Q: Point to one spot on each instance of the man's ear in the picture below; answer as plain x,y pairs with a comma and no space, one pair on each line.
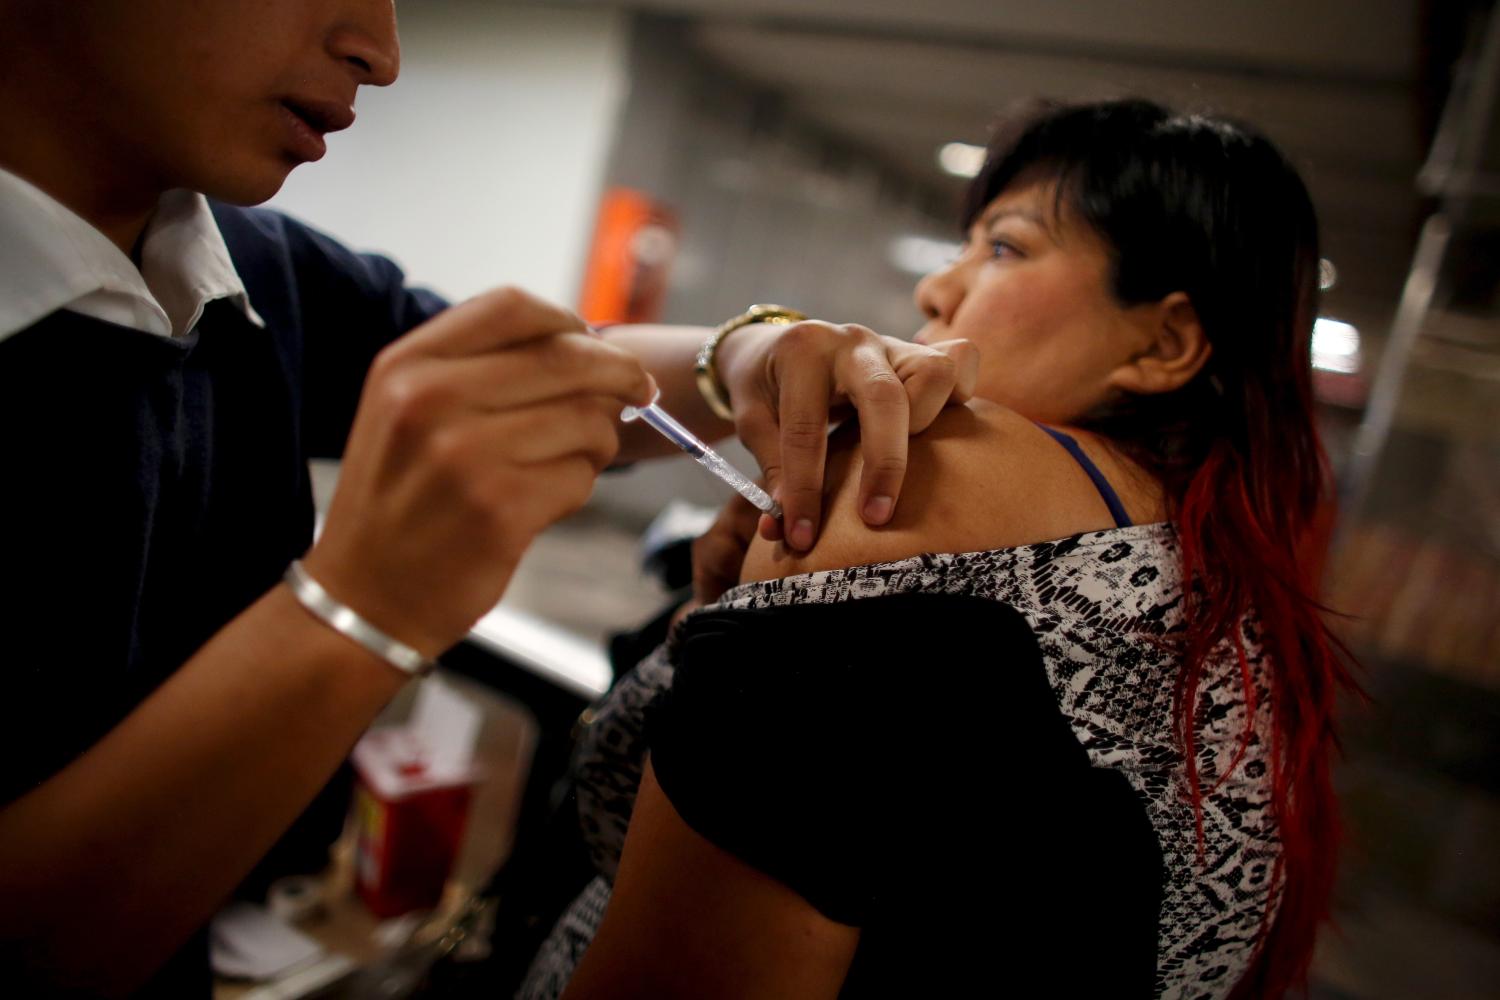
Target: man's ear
1173,347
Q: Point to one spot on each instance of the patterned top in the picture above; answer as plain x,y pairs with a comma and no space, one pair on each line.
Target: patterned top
1100,604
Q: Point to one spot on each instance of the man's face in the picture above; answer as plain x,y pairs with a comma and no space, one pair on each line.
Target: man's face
226,96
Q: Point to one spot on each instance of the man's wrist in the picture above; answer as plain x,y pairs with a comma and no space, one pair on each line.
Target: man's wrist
351,625
345,665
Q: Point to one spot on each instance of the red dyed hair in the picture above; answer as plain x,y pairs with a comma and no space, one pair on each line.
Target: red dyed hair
1250,562
1197,204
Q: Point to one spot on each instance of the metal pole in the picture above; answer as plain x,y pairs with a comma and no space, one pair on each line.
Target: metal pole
1385,393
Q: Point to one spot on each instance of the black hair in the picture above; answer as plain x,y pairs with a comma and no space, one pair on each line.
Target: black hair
1192,203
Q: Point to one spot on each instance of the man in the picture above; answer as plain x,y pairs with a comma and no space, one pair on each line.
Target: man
167,365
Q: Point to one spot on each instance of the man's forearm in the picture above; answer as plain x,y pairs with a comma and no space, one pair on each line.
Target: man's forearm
112,863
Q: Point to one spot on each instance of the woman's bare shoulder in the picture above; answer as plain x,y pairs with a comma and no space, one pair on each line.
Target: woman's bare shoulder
981,477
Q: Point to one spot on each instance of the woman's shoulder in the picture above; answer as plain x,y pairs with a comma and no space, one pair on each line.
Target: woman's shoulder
981,477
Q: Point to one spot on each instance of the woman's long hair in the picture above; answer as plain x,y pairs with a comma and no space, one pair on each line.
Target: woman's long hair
1204,206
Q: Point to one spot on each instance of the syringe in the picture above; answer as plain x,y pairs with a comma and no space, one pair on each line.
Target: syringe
706,456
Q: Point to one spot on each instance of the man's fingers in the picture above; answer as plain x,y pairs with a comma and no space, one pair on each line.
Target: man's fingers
739,518
424,389
503,461
501,317
575,425
719,553
562,365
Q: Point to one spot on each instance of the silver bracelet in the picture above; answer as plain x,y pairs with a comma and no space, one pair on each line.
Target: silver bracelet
347,622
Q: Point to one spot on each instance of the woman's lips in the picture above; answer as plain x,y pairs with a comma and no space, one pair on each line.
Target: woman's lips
308,120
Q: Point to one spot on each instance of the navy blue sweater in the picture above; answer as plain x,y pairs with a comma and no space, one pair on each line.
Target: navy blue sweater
153,489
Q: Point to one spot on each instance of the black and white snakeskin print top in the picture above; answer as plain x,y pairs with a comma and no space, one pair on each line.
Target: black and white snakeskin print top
1099,604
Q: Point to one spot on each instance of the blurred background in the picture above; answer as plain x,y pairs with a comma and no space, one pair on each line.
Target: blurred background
677,160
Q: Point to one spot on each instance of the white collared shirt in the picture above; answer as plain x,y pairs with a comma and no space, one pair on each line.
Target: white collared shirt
52,259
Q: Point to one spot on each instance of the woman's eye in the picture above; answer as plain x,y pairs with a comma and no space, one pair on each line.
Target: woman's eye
1001,248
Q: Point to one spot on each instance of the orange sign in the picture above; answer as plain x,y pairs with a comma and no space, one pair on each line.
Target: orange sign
635,242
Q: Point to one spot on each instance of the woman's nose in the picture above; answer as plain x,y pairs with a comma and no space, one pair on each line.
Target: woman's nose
939,293
365,39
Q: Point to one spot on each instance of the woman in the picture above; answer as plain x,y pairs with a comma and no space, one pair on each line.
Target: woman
1113,779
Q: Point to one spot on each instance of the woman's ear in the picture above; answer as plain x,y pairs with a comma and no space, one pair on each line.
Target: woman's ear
1172,347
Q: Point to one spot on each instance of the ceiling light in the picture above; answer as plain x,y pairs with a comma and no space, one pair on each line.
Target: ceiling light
1328,275
922,254
1335,346
961,159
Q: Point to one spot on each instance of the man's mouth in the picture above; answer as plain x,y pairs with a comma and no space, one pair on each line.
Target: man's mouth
321,116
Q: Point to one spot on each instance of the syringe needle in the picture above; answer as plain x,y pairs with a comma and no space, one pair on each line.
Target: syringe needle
706,456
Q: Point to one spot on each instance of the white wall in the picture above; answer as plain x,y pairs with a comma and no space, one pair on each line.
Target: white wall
482,165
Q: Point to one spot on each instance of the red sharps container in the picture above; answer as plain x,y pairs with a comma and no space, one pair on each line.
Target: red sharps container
411,804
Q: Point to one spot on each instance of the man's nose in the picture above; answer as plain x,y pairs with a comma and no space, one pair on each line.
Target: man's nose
365,39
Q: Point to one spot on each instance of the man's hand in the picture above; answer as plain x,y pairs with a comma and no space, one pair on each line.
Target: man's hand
719,552
786,381
475,431
718,555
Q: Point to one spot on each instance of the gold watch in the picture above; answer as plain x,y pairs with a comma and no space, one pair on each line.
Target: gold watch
707,368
